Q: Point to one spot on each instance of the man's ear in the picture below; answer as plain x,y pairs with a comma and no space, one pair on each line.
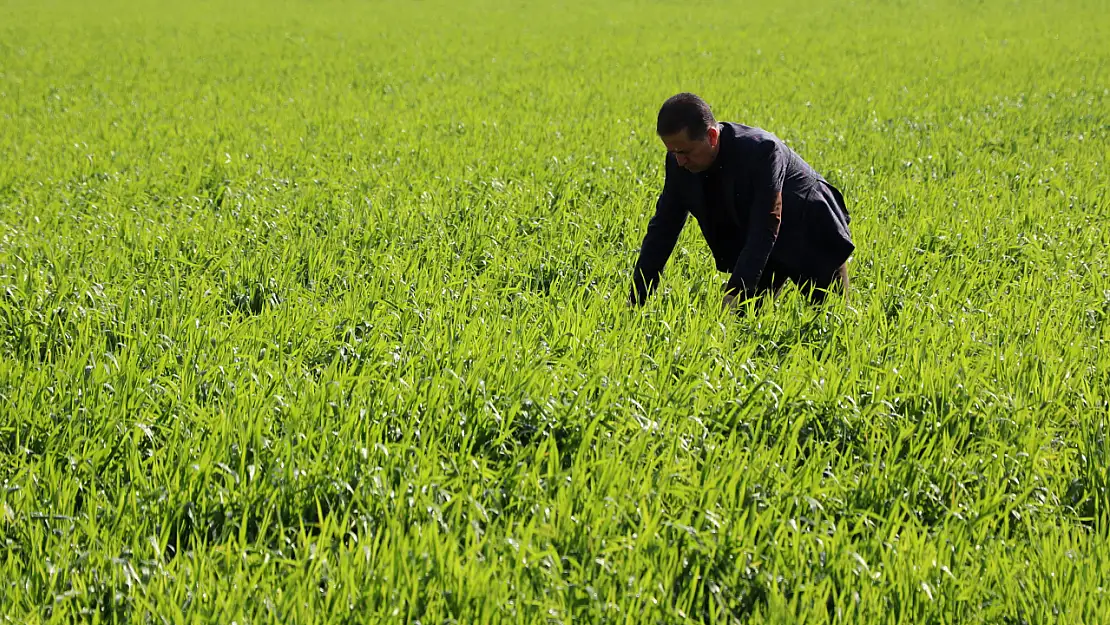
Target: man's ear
714,135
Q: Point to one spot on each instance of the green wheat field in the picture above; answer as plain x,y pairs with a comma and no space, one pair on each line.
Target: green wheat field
315,311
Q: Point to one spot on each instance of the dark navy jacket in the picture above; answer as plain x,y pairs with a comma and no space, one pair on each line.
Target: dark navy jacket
734,205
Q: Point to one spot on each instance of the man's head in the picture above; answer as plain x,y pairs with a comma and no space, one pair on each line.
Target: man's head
687,128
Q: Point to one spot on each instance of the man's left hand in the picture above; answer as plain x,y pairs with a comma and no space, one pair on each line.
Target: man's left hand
730,302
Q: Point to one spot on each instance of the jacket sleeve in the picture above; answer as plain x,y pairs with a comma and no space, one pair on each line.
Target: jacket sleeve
764,218
659,241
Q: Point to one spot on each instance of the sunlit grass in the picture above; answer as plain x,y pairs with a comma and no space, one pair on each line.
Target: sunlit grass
316,312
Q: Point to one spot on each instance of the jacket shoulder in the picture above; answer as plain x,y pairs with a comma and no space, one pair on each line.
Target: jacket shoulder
750,137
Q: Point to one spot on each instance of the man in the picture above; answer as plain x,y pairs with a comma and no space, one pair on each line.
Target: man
765,213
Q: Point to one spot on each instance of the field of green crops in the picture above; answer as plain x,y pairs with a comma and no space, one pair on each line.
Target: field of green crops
316,312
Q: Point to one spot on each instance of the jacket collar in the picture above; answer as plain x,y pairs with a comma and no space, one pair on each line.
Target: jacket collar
724,150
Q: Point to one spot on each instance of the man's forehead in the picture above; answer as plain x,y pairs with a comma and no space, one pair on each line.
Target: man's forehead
678,142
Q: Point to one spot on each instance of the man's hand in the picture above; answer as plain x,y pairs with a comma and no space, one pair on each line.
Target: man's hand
730,302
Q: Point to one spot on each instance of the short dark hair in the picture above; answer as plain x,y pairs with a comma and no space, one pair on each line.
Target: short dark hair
685,111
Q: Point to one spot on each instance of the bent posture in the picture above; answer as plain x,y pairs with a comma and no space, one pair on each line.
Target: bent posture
766,214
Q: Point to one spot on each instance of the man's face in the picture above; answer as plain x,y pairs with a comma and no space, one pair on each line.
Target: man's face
693,155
